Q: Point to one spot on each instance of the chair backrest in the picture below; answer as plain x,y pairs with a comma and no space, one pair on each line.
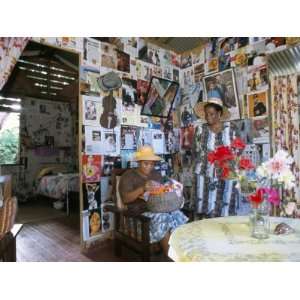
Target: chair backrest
116,175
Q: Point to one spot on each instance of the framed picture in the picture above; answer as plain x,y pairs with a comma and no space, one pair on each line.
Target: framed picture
160,97
257,104
222,85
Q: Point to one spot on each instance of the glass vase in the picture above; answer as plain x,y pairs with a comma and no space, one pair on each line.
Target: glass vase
259,220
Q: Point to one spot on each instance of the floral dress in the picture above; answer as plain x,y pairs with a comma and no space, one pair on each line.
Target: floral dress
215,197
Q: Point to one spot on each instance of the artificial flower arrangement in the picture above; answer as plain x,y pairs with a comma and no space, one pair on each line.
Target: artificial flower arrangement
273,176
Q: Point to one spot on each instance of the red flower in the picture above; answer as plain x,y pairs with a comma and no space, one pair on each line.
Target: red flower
224,153
256,198
211,157
225,173
245,164
237,143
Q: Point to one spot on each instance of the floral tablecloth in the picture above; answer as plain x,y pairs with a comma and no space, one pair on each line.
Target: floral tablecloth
229,239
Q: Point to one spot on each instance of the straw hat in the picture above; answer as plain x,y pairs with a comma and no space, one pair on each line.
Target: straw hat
110,81
146,153
200,112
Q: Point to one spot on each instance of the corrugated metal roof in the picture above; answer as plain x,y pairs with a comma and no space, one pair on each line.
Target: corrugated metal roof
285,62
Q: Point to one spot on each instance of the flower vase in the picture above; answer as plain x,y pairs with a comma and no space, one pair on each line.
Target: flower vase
259,220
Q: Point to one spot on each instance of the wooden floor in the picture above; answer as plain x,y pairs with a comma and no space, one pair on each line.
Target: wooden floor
58,240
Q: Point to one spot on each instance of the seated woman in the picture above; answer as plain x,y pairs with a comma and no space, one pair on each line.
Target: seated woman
134,183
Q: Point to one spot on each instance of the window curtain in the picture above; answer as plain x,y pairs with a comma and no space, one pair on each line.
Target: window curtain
10,51
285,122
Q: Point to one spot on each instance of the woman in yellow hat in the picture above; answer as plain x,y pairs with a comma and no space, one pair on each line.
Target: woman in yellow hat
134,183
215,197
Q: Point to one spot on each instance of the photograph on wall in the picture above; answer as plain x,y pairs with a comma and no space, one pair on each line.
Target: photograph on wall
186,137
158,141
172,141
91,168
257,78
275,43
256,54
186,60
109,163
91,110
107,219
186,115
106,189
239,58
110,142
88,80
108,56
129,93
91,195
198,72
157,71
257,104
95,222
93,140
175,59
212,65
261,132
245,129
175,74
128,137
127,159
187,76
123,61
222,86
91,51
144,137
160,97
142,89
154,55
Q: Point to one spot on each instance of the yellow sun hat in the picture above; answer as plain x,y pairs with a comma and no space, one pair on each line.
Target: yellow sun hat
146,153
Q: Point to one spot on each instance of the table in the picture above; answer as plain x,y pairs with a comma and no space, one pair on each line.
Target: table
229,239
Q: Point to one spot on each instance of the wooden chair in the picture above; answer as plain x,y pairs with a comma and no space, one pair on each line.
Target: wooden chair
132,231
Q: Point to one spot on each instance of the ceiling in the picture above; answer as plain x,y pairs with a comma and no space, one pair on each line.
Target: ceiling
46,73
178,44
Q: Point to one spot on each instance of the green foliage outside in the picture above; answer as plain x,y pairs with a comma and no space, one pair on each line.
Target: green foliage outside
9,146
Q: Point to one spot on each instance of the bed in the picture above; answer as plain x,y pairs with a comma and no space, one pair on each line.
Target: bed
57,186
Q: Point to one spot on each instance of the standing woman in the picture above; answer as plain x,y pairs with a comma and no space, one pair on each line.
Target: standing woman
215,197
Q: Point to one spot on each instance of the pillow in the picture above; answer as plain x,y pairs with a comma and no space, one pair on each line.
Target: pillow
119,202
7,215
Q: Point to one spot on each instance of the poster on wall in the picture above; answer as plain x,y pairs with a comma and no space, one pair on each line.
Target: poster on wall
222,86
95,222
91,110
257,104
91,51
257,78
261,132
108,56
91,195
107,219
89,76
106,188
128,138
142,89
158,141
91,168
93,140
186,137
110,142
85,225
123,61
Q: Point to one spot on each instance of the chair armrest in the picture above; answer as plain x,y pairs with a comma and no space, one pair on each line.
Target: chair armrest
116,210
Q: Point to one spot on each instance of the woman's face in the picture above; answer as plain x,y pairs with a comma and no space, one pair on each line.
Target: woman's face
146,167
212,116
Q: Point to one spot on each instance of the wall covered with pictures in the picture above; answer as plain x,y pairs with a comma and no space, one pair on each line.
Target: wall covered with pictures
232,69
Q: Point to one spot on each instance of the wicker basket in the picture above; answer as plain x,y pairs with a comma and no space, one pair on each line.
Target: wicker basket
164,203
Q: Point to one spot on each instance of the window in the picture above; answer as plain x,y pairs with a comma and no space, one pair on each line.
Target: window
10,110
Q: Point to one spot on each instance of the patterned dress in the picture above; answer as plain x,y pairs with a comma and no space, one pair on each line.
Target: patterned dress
215,197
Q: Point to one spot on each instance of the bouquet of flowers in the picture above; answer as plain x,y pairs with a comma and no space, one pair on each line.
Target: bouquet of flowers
231,164
273,176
